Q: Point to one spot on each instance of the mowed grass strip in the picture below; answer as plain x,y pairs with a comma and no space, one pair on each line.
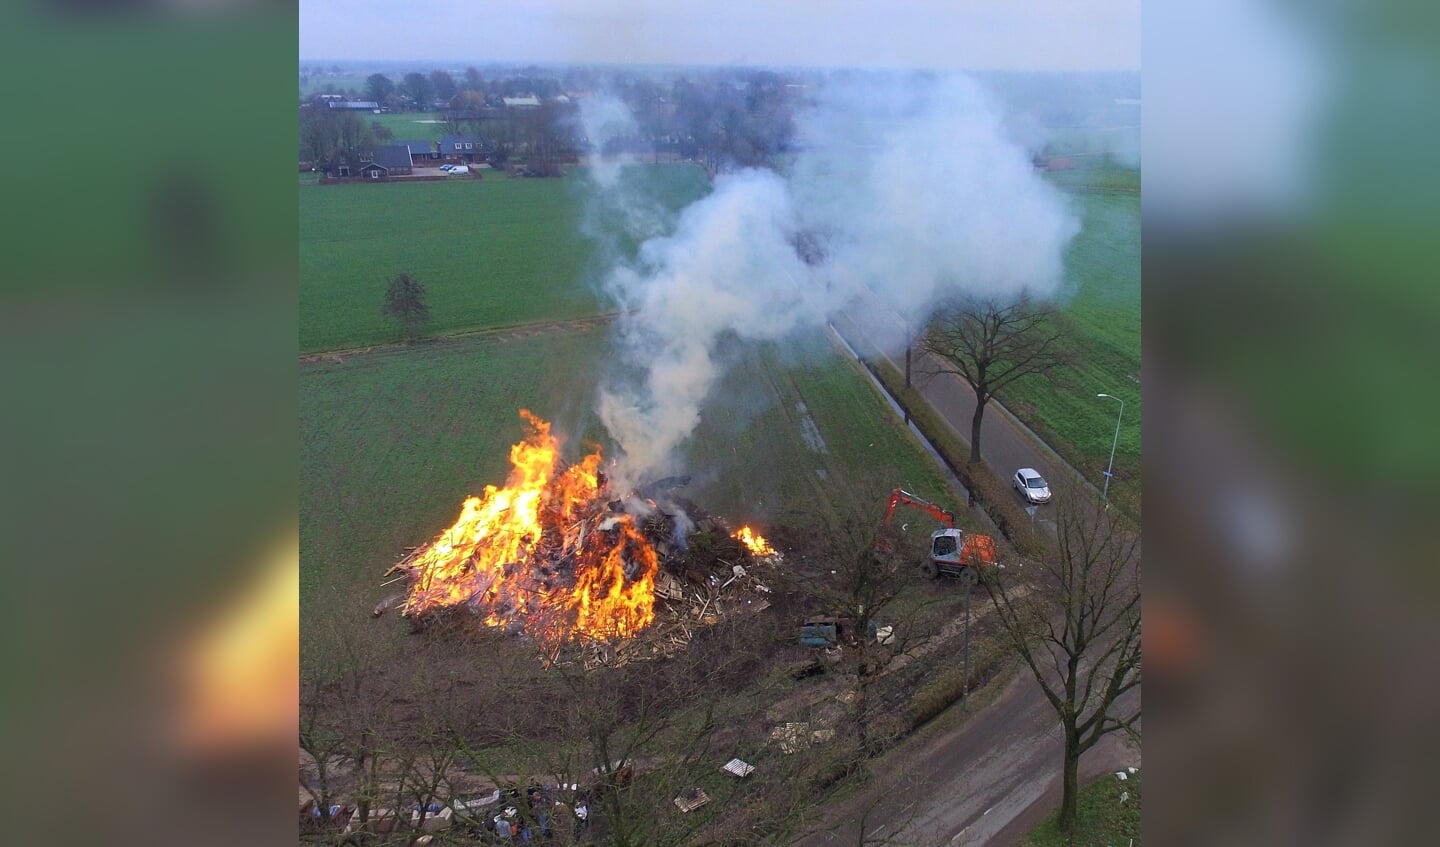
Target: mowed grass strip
489,252
393,441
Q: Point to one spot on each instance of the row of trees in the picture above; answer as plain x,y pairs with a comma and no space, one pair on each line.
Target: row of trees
723,120
423,90
328,134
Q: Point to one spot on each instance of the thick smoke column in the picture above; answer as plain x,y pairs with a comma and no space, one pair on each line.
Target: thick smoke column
730,269
913,191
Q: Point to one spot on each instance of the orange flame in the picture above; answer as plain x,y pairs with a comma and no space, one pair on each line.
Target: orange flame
754,542
544,552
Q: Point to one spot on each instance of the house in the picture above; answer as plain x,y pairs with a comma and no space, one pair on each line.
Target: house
373,170
395,159
420,149
382,163
462,147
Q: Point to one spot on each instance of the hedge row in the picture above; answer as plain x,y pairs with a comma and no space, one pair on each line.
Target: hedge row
946,689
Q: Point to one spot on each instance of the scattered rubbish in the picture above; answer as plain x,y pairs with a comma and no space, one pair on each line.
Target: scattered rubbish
381,820
1121,775
736,767
691,799
792,737
885,635
1124,797
832,630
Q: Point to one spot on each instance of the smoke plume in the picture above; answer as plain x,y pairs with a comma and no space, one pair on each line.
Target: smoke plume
911,191
729,269
605,119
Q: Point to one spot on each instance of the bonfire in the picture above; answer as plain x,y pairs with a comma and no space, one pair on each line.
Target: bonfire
553,553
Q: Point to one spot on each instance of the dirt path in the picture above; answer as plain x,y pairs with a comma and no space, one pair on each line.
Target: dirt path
500,333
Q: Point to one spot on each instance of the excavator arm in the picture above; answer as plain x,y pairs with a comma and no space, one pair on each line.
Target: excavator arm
899,496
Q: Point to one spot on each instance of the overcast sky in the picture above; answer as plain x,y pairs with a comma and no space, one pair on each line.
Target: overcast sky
971,34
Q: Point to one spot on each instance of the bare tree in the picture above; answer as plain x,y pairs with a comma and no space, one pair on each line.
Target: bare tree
990,344
1076,625
405,302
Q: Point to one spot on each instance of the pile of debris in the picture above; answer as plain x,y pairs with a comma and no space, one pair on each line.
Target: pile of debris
706,575
605,582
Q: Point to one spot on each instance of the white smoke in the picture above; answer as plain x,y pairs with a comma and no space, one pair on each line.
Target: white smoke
618,208
922,196
915,194
729,269
605,118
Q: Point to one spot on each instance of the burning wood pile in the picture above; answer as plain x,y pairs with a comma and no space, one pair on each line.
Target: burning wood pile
556,556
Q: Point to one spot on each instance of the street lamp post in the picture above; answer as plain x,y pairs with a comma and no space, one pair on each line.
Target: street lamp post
1105,495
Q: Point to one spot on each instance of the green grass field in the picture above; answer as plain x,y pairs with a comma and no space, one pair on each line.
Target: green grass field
1101,820
489,252
410,125
392,441
1103,265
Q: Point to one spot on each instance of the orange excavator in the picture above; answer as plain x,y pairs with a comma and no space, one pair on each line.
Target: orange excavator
952,550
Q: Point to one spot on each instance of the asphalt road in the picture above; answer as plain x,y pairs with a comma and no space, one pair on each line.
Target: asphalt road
988,781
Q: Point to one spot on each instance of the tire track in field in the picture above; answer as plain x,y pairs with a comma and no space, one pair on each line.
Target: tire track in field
500,333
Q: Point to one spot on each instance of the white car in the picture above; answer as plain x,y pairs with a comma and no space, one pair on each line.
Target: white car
1031,485
459,169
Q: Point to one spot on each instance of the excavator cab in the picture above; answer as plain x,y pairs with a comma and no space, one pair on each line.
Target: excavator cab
953,550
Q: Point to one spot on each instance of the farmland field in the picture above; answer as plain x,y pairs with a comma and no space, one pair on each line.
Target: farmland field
489,252
410,125
392,441
1103,266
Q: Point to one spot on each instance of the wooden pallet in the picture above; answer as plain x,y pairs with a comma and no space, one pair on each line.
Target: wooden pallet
692,803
